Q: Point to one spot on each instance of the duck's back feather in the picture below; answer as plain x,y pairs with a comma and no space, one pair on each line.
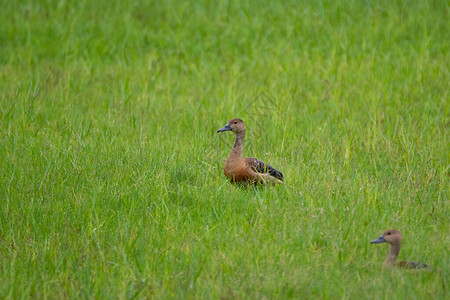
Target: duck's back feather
411,265
260,167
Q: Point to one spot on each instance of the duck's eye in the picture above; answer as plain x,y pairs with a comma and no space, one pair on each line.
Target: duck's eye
389,233
235,122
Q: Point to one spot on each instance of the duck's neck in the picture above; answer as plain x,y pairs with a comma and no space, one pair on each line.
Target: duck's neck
237,147
393,254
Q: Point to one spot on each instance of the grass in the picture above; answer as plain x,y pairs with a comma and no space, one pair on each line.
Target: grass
111,168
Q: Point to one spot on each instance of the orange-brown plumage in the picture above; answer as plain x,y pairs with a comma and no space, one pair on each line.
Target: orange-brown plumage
246,170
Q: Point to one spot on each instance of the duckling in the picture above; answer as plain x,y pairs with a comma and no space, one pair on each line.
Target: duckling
394,238
246,170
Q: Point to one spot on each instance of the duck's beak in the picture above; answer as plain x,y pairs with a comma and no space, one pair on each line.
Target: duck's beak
226,128
378,240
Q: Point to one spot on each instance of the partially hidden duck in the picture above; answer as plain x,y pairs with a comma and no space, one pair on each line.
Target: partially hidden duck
394,238
245,170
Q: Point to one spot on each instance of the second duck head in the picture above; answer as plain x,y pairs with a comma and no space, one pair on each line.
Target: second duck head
235,125
391,236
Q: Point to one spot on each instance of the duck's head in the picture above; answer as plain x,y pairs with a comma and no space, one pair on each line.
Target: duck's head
390,236
235,125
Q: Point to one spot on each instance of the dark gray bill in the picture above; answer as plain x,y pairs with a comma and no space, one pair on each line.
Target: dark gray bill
226,128
378,240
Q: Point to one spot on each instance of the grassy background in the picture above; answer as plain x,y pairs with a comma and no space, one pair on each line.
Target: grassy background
111,168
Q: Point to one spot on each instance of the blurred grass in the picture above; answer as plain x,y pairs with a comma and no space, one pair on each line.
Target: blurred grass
111,170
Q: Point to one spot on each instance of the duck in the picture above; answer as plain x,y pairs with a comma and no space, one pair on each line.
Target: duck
246,170
394,238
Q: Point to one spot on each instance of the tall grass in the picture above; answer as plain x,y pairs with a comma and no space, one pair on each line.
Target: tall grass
111,170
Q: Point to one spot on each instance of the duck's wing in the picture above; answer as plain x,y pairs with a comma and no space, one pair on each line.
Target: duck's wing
260,167
412,265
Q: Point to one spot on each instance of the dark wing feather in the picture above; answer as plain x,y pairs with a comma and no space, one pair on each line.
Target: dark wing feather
412,265
259,166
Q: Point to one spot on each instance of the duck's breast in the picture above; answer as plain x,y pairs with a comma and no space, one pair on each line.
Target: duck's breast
237,171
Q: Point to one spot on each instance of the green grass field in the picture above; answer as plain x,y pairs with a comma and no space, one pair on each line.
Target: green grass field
111,167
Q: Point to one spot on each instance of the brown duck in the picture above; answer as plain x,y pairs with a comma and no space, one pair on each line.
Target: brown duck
246,170
394,238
